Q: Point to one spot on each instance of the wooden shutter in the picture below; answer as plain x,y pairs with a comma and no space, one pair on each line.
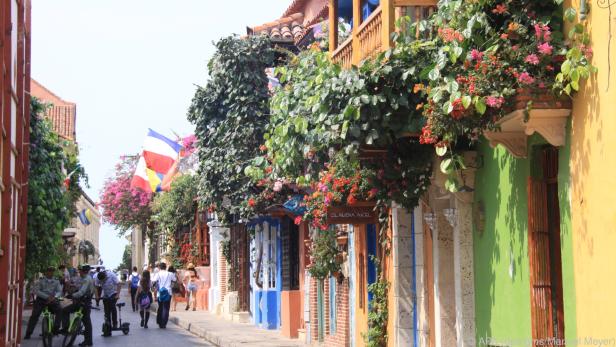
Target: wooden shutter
539,257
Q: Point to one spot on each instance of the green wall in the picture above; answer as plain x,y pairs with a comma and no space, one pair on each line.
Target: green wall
502,287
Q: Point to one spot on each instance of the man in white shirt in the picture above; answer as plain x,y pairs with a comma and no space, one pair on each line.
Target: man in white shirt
163,280
110,292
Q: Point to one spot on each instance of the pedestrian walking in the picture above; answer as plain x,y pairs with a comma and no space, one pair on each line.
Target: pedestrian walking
133,283
47,289
110,292
82,299
190,281
143,298
97,287
177,289
163,280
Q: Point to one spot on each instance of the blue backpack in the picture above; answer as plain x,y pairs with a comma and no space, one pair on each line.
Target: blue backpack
134,282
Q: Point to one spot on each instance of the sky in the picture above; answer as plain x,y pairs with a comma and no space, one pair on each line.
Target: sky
130,66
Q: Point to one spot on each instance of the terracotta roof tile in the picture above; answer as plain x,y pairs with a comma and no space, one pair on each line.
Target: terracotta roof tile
288,28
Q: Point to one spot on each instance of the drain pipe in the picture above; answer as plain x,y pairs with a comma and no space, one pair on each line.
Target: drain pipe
414,282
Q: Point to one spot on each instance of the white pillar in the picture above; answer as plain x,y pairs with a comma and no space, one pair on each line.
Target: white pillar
464,273
217,232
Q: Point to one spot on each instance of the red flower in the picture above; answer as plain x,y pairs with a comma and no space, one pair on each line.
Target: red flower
500,9
351,200
298,220
251,202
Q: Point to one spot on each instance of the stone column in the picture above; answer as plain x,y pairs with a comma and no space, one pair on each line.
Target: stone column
402,247
463,263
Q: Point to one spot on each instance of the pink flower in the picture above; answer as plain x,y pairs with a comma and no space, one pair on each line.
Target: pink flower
298,220
515,47
322,187
277,186
538,31
476,55
545,48
541,85
532,59
495,101
526,78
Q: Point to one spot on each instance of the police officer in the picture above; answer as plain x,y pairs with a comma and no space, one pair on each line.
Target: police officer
47,289
82,298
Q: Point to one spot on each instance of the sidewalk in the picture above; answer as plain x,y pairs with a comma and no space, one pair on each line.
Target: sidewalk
224,333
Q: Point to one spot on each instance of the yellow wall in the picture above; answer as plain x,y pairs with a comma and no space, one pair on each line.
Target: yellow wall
593,183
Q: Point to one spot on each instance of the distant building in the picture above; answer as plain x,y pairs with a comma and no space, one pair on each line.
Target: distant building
63,114
82,235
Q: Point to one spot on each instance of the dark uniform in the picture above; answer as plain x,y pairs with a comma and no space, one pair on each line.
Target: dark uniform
46,290
82,299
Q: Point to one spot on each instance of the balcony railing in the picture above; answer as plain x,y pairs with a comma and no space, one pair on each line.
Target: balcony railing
370,35
343,55
373,35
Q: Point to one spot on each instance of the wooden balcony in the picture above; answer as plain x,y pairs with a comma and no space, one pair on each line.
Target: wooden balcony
373,35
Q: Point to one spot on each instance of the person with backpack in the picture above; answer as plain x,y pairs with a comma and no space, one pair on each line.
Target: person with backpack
164,282
133,282
143,298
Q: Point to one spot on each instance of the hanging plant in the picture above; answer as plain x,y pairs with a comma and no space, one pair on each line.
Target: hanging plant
323,253
488,51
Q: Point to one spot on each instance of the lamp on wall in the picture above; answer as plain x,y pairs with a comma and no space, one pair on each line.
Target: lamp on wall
430,219
450,215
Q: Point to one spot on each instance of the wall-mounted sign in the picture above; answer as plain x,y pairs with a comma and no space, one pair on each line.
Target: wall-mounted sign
351,215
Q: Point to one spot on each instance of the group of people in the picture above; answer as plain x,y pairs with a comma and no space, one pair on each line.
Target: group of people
163,286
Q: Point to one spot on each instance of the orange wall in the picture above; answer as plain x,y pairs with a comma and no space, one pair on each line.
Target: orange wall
361,312
593,193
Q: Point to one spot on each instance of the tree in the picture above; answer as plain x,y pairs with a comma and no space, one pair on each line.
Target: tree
230,114
49,206
126,207
127,259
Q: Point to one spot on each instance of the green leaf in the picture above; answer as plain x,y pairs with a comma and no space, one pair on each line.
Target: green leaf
345,128
451,184
441,150
434,74
480,106
466,101
565,67
447,166
570,14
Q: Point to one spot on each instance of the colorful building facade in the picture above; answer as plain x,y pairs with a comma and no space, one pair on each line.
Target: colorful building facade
15,118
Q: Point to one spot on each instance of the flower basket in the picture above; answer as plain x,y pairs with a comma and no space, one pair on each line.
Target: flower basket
531,111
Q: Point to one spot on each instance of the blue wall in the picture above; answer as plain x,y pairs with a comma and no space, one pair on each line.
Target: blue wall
266,303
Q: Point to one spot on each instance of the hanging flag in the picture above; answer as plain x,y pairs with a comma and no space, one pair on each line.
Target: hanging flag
85,216
140,178
160,152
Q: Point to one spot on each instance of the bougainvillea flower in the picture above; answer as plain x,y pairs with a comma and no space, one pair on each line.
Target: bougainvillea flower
495,101
532,59
545,48
526,78
476,55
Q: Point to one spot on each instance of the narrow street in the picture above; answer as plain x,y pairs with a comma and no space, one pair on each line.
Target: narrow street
152,337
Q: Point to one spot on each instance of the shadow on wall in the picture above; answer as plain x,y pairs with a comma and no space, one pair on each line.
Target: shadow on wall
500,250
586,116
